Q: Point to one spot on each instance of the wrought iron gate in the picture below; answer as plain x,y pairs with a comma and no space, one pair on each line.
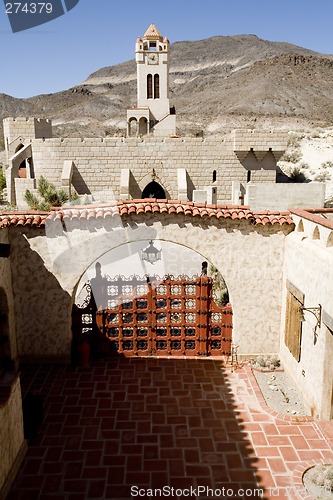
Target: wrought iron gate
169,317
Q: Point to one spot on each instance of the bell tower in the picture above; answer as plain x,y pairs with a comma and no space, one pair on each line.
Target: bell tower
153,114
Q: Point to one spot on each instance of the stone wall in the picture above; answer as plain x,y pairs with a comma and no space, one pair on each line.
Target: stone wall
25,128
284,196
47,270
98,162
260,141
12,444
309,267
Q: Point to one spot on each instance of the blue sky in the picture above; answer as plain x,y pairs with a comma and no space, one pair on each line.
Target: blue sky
100,33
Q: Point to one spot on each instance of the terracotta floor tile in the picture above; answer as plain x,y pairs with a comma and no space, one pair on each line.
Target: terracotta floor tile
277,465
279,440
259,439
320,444
305,455
289,430
299,442
288,454
267,451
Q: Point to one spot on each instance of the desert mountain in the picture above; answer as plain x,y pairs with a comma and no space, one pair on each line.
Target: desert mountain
217,83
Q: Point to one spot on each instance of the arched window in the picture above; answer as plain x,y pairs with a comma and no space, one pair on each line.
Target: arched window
133,127
149,86
143,126
154,190
214,175
156,86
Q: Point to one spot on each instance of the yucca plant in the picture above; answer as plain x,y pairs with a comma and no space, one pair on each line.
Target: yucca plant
49,196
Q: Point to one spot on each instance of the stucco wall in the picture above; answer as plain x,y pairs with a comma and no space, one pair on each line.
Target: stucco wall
11,434
250,259
41,307
6,285
309,266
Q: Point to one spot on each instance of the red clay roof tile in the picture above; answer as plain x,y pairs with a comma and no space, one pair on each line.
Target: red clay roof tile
128,207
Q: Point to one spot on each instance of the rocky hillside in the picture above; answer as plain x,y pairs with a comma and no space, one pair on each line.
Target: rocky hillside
216,84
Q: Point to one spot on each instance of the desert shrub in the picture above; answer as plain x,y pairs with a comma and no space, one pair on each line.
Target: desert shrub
2,180
304,165
296,175
267,361
295,139
220,291
2,183
322,176
49,196
329,202
292,156
327,164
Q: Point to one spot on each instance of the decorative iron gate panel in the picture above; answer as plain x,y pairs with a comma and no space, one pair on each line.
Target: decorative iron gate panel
169,317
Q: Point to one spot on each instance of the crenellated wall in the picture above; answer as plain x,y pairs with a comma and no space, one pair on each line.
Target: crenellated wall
98,162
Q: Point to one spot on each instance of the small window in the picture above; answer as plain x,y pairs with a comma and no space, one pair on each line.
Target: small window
214,175
156,86
149,86
249,176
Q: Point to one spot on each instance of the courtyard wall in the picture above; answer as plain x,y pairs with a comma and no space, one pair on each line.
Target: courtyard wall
308,265
47,269
12,443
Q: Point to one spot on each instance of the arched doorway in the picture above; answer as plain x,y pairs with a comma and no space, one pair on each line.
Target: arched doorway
149,315
154,190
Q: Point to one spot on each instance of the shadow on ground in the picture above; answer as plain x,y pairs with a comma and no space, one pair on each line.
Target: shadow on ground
140,422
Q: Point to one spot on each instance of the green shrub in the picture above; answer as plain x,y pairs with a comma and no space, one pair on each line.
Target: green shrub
220,291
2,180
49,196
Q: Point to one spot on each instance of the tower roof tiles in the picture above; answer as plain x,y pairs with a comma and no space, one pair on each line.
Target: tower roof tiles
152,33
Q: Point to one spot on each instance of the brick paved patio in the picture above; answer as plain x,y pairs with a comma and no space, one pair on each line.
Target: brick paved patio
154,422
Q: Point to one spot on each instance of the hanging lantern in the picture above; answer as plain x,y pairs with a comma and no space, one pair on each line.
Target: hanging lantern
151,254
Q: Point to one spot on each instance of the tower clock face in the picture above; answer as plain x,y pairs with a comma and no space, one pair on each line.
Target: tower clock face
153,59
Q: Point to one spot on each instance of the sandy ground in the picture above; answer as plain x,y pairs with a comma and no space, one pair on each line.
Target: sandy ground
280,393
